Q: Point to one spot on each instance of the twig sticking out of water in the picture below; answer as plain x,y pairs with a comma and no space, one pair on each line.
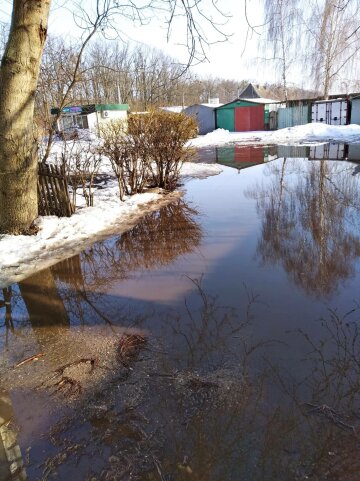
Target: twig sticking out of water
30,359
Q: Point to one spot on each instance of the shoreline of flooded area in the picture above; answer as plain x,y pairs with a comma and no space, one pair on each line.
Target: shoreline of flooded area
216,339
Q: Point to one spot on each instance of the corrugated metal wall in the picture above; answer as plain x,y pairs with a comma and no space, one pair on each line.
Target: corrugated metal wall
293,151
204,116
355,111
291,116
225,119
249,118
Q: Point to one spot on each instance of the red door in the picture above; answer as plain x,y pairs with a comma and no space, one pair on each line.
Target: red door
249,154
249,118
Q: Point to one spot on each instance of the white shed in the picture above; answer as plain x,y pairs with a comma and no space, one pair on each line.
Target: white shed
331,112
89,116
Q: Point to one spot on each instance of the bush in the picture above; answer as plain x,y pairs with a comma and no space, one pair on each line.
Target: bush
127,155
147,150
163,136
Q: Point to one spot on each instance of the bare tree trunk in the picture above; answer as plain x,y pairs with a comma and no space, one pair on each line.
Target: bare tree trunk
19,73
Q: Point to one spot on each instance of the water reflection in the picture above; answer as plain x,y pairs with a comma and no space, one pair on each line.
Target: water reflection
310,222
43,301
221,420
215,391
159,239
74,291
241,156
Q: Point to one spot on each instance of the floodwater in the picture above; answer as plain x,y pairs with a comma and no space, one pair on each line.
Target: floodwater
216,340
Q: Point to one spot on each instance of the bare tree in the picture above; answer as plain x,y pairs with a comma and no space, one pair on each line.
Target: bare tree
281,33
333,41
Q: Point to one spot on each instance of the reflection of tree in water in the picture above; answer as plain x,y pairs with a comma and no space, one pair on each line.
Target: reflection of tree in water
223,421
329,399
207,334
43,301
310,223
203,412
159,239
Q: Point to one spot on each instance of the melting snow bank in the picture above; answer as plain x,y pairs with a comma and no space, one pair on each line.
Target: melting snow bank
318,132
200,171
315,132
59,238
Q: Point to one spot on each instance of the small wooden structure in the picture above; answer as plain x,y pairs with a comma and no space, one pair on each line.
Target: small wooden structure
243,115
53,194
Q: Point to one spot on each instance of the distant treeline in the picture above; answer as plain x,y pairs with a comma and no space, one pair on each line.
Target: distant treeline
113,72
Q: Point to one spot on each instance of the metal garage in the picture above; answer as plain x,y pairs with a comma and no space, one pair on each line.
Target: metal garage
240,116
331,112
355,111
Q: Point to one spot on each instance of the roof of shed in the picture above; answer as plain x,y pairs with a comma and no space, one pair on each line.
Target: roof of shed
175,108
249,92
261,100
256,92
210,106
258,101
89,108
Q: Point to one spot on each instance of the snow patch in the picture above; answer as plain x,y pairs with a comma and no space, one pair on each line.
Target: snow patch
59,238
314,132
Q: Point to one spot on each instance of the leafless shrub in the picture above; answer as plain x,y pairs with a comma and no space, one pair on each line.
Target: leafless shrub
163,135
128,157
152,150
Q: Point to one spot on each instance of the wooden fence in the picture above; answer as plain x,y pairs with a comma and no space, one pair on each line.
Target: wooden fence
53,194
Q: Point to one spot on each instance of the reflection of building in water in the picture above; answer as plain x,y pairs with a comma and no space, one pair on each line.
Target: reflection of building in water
241,157
11,463
293,151
328,152
354,152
